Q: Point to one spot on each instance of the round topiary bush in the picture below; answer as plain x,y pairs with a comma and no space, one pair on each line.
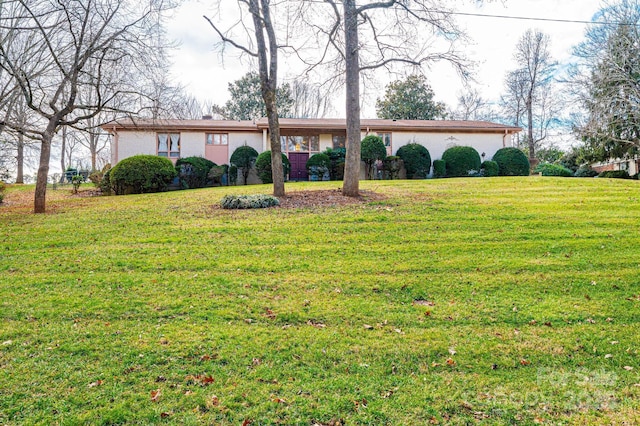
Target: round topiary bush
193,171
460,160
318,166
244,157
439,168
512,162
548,169
372,149
263,166
141,173
417,160
489,168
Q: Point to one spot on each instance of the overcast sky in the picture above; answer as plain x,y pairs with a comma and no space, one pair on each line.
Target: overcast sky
200,69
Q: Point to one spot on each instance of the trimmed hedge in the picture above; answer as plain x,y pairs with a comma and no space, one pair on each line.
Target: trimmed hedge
439,168
417,160
263,166
553,170
615,174
490,168
459,160
193,171
258,201
585,171
141,174
392,165
512,162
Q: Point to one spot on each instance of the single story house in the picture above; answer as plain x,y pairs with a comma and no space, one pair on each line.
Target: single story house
217,139
631,165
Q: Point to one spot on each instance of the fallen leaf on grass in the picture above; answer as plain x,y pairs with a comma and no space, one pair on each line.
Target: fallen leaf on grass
278,400
214,400
247,422
628,368
368,327
525,362
164,341
7,342
165,415
96,383
607,356
590,321
451,362
155,395
423,302
452,351
316,324
208,357
201,379
269,313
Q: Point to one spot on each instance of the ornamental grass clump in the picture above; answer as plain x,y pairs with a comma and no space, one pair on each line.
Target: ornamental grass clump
258,201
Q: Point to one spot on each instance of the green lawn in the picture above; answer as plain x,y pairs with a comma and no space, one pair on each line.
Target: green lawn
453,301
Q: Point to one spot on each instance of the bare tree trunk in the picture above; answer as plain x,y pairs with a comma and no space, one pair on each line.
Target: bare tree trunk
532,148
20,159
93,145
43,169
351,182
63,147
276,148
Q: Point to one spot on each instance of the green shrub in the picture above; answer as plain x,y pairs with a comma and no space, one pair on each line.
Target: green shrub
216,173
615,174
259,201
263,167
244,157
318,166
416,159
337,157
233,174
142,173
193,171
96,176
460,160
489,168
512,162
392,166
585,171
553,170
76,181
3,187
372,149
439,168
105,183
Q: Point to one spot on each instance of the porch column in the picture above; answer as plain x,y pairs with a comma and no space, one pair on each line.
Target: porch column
265,141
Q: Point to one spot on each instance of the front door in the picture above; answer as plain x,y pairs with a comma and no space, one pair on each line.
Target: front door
298,162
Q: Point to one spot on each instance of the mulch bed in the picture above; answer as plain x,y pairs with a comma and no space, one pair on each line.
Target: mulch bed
325,198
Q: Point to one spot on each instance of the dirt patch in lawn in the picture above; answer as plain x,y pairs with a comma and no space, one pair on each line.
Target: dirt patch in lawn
325,198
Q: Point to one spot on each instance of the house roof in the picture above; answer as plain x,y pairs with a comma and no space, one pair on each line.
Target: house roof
321,124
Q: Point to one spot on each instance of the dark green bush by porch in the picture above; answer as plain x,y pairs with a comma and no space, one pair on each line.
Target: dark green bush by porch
392,165
416,159
548,169
372,149
193,171
141,174
615,174
489,168
460,160
512,162
337,158
263,166
439,168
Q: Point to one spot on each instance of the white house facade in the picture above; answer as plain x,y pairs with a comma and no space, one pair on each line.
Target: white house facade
300,138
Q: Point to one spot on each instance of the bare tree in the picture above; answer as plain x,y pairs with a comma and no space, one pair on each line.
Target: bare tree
266,51
359,39
472,106
309,101
81,60
528,87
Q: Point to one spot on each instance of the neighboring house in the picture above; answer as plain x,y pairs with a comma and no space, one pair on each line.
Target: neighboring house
217,139
631,165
